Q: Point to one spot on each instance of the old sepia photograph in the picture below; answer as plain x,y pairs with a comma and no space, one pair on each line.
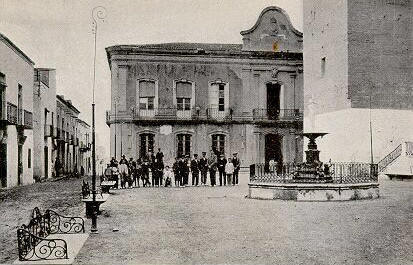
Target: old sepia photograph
206,132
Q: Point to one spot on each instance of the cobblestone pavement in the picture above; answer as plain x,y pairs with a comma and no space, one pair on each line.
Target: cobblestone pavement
205,225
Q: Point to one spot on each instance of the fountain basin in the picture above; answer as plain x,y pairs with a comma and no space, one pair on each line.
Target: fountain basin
314,191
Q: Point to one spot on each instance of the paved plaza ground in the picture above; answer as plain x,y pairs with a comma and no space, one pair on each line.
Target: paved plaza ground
205,225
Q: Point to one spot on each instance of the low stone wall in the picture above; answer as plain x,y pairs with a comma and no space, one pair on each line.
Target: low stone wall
313,192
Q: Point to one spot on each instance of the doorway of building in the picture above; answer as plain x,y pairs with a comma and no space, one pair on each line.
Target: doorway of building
19,164
3,165
273,100
46,162
273,151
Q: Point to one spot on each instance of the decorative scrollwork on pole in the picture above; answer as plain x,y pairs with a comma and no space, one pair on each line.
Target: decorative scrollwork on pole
98,13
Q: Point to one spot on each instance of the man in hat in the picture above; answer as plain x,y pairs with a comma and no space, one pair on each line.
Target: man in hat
237,164
182,170
175,169
195,170
212,166
221,169
187,162
203,167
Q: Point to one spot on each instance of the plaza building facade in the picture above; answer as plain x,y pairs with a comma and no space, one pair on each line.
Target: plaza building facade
16,115
358,68
187,98
44,122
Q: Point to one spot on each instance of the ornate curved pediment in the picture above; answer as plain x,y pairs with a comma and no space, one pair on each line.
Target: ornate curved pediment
273,31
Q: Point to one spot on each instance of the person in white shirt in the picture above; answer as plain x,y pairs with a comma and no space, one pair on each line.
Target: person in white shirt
124,171
229,170
167,174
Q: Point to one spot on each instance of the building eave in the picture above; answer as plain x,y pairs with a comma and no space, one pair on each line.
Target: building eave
16,49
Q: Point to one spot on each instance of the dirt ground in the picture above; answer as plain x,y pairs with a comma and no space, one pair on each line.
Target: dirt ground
205,225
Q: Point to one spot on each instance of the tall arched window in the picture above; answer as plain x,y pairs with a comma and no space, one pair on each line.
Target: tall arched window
184,98
147,97
218,142
146,144
183,142
218,99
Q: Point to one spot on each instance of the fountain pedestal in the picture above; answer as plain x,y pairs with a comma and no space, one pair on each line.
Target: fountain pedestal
311,170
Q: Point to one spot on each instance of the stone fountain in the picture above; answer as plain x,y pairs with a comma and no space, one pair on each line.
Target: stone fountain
313,181
312,170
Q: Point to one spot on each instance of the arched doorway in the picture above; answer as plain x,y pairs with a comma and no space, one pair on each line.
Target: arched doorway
273,149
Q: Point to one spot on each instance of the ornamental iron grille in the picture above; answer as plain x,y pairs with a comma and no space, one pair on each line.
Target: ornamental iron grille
340,172
32,240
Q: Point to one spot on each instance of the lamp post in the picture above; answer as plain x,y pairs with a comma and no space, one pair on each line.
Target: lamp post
98,13
372,173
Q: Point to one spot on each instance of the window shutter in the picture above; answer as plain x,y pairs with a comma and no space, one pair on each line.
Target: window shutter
213,96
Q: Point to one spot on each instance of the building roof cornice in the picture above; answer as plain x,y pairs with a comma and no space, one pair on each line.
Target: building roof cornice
113,51
16,49
67,103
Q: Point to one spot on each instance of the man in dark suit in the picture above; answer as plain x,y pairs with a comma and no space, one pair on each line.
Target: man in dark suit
221,169
177,175
195,170
203,167
186,167
212,166
183,168
237,164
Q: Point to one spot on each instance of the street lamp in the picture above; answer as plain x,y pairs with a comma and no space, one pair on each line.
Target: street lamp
98,13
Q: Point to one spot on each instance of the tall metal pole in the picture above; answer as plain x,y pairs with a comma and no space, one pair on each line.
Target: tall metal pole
371,140
116,123
98,13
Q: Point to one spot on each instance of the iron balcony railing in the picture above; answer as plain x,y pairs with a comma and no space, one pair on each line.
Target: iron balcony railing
276,114
11,113
340,172
196,113
28,119
19,116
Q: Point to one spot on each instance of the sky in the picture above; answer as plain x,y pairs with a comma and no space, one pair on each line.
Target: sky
58,34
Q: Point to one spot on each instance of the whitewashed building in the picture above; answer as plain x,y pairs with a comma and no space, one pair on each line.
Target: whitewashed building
44,121
16,118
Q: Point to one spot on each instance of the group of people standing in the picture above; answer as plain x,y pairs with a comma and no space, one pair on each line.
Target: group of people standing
151,171
228,170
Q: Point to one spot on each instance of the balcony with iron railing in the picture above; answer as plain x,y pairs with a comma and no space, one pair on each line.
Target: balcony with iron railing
276,114
11,113
204,114
28,120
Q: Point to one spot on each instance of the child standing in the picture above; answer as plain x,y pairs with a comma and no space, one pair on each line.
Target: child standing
167,173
